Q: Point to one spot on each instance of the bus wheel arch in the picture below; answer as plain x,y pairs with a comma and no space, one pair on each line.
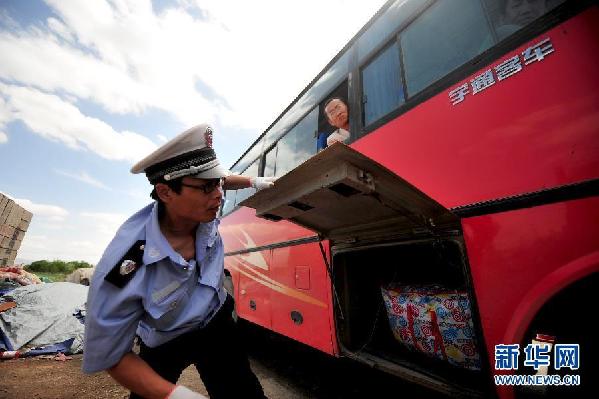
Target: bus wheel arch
567,315
550,288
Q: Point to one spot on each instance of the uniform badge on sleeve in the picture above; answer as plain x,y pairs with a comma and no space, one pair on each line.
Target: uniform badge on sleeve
125,268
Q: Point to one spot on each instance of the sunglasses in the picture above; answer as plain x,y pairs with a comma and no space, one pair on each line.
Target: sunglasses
207,188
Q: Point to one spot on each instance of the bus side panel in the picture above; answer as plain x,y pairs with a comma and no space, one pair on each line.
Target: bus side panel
536,129
253,285
271,284
242,230
301,308
514,253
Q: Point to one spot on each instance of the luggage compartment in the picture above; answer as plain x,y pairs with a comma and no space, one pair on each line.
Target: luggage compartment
382,231
363,327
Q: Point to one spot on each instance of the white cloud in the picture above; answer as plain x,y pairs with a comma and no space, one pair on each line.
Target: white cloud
52,213
7,20
52,246
236,63
43,241
3,138
53,118
240,64
5,115
57,233
162,138
84,177
60,29
105,223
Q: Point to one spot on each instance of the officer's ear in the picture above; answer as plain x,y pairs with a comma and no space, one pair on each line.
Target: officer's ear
164,192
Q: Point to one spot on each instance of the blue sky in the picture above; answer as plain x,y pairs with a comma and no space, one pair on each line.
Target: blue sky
87,88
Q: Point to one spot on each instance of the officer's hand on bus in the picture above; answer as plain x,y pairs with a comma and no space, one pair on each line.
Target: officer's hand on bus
260,183
181,392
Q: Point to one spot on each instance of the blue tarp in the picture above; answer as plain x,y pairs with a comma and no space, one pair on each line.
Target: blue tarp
47,318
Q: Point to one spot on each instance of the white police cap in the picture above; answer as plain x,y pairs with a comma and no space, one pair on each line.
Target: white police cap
188,154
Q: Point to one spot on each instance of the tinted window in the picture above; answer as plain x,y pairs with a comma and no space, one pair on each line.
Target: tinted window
509,16
382,87
306,137
269,165
229,203
251,171
247,159
285,159
443,38
329,80
297,145
390,21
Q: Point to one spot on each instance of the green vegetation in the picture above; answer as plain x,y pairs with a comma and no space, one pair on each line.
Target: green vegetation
55,266
55,270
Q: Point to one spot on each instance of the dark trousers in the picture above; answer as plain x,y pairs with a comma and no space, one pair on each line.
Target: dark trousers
217,353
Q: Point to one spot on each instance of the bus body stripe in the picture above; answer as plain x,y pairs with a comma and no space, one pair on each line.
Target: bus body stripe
253,274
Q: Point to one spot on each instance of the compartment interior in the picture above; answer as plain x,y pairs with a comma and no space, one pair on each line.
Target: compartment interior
362,321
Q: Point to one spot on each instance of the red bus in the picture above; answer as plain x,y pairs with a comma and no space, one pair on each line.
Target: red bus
472,170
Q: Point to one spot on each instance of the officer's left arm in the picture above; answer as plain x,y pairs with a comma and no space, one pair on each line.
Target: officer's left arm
113,314
237,182
136,375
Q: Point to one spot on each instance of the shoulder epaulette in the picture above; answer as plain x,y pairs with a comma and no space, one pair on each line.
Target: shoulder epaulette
125,269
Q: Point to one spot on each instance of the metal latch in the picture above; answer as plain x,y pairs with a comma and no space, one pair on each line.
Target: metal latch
364,176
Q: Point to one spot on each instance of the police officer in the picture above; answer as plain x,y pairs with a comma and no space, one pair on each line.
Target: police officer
161,278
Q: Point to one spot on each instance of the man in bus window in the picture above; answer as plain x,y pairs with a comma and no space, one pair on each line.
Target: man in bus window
337,115
161,278
523,12
518,13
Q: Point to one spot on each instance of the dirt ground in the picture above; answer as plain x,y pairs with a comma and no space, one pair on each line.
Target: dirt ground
285,368
45,378
35,378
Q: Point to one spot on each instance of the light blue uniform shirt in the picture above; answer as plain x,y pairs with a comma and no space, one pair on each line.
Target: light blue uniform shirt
166,297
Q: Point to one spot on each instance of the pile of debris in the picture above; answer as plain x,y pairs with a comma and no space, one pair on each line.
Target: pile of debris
39,319
82,275
14,277
14,221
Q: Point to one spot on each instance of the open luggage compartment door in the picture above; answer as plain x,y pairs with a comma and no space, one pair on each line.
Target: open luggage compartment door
343,195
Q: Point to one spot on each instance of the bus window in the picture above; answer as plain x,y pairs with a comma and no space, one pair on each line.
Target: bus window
251,171
285,161
394,17
509,16
297,145
443,38
250,156
382,88
306,130
331,78
229,203
269,165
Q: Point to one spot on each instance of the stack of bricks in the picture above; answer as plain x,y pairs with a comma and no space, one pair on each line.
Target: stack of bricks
14,221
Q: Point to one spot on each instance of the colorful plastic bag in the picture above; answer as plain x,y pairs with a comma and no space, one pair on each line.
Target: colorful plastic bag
434,321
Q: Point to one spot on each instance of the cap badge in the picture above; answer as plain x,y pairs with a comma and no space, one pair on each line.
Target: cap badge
127,267
208,137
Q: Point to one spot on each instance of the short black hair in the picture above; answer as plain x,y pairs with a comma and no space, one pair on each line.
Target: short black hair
176,185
